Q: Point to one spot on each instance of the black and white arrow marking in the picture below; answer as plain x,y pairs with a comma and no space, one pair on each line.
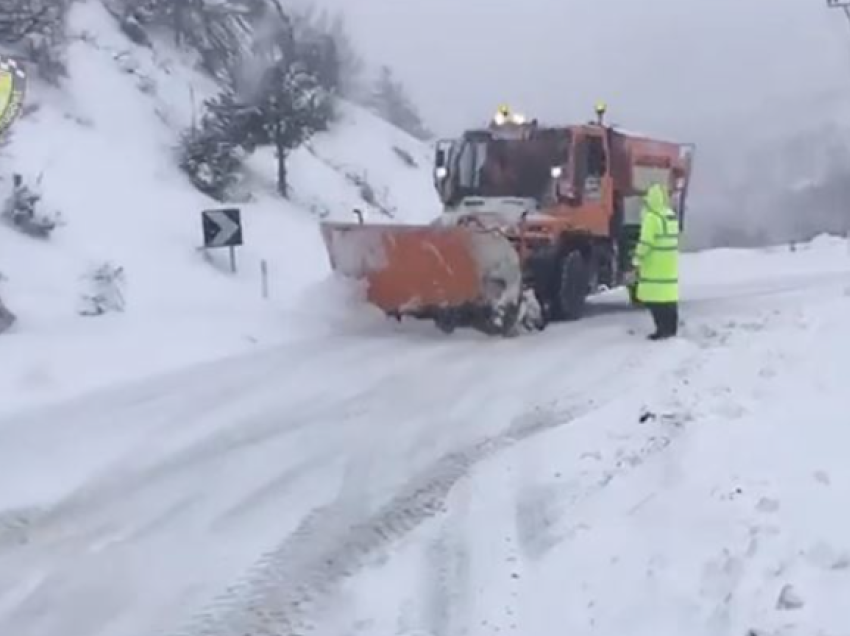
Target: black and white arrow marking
222,228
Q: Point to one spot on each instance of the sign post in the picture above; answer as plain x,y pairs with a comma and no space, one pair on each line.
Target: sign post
223,228
264,278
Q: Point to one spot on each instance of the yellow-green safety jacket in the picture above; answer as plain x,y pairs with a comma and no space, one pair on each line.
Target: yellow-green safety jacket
656,257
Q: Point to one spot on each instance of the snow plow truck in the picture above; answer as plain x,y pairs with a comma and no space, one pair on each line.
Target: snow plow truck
535,220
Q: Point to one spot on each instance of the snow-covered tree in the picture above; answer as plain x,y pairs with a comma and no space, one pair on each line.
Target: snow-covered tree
23,210
285,87
220,32
292,107
211,152
35,30
280,89
390,101
105,290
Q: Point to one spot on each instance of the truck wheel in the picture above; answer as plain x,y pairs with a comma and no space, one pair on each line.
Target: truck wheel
445,322
572,287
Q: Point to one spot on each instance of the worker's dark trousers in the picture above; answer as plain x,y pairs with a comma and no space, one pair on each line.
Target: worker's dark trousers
666,318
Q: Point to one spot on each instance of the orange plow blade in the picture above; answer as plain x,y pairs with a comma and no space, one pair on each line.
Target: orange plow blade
455,275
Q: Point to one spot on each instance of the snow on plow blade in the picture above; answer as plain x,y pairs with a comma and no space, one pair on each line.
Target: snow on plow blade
458,276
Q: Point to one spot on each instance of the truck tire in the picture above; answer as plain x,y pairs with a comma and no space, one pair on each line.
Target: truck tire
571,287
445,322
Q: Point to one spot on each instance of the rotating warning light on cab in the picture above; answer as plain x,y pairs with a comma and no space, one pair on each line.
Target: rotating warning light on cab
505,116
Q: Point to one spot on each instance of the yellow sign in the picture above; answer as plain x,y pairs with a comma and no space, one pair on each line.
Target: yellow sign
13,84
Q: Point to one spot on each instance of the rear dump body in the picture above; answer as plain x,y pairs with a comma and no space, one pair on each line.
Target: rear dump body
453,275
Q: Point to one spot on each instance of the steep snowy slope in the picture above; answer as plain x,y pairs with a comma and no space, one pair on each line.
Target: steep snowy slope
580,481
104,147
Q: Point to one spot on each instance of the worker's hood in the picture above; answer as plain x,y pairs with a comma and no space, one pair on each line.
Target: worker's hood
656,198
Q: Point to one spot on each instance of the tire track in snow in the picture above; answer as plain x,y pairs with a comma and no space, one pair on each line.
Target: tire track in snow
178,396
281,591
73,520
447,582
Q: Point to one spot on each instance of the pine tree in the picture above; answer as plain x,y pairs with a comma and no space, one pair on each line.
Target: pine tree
290,94
293,106
211,153
390,101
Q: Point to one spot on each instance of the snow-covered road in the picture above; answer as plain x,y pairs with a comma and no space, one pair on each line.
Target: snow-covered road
394,481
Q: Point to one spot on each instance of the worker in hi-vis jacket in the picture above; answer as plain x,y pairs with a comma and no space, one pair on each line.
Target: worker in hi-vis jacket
656,262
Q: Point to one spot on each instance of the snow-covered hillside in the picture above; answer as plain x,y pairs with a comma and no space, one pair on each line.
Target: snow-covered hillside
104,148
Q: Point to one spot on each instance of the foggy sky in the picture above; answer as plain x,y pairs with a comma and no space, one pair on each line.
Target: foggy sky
726,74
663,65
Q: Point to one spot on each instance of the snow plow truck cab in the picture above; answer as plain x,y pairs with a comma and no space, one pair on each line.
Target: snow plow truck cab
536,219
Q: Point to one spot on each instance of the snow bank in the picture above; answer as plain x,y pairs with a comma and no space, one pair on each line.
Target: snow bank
822,257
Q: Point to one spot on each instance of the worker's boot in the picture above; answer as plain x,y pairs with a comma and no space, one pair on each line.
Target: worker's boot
657,312
674,319
666,319
670,314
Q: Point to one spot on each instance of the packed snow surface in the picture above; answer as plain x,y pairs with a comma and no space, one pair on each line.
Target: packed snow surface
383,479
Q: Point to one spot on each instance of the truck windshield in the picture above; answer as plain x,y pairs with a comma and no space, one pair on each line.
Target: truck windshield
470,161
510,167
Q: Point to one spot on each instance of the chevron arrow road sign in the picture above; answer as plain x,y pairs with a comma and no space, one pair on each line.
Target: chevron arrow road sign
222,228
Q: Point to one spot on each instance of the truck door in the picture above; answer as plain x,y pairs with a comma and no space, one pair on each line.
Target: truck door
591,180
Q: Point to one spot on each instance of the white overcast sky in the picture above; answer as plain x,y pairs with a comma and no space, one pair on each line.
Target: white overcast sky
663,65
